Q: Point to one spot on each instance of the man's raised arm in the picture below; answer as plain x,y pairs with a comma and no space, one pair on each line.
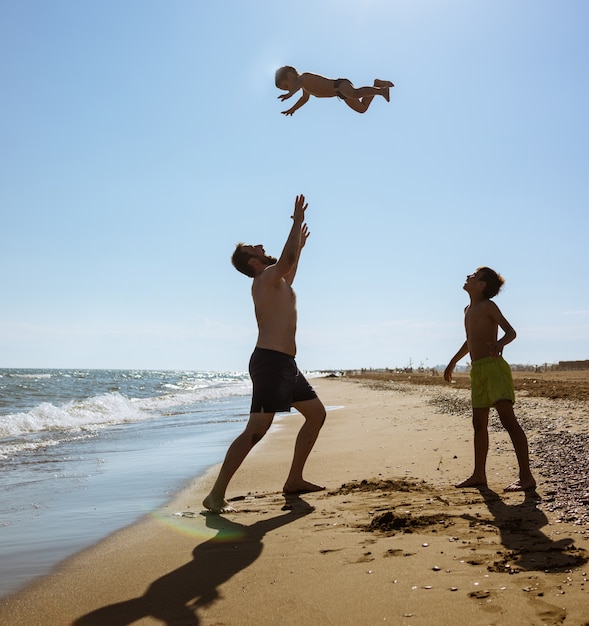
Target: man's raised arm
286,265
289,278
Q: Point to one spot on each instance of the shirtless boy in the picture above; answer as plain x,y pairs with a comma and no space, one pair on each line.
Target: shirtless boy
288,79
278,384
491,381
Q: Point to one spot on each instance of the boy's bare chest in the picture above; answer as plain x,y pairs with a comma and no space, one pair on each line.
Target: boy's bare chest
477,322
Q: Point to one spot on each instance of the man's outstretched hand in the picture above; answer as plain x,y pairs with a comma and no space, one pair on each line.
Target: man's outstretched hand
300,208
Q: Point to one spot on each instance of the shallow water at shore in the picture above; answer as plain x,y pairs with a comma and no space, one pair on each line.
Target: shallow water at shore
66,485
100,485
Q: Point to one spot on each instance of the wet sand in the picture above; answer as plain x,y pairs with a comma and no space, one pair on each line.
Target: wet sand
390,539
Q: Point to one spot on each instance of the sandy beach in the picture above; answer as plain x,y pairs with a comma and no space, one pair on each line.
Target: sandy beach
390,540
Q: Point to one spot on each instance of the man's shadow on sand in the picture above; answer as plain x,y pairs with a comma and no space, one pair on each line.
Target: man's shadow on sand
520,527
176,597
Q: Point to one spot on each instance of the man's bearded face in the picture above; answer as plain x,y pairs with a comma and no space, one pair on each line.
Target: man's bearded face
268,260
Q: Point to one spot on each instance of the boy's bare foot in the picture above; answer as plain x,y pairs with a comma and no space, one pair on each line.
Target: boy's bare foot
301,487
217,506
473,481
519,485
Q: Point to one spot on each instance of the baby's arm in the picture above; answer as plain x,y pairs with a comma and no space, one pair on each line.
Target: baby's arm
298,84
298,104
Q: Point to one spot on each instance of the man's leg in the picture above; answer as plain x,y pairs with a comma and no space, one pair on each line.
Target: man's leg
256,428
480,421
314,413
520,444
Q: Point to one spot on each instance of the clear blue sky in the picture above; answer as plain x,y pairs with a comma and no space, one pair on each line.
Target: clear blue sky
141,139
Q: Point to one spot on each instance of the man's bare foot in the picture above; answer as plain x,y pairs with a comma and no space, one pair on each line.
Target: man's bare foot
519,485
217,506
473,481
301,487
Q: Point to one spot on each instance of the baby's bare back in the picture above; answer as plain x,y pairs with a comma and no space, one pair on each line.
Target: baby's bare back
318,86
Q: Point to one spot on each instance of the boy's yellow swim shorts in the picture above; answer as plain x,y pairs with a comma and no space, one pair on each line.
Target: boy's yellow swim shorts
490,381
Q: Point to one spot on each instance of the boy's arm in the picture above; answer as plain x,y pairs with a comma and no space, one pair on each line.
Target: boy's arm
298,104
454,360
496,347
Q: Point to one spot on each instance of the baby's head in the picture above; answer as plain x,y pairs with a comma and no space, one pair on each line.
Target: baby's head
285,77
493,281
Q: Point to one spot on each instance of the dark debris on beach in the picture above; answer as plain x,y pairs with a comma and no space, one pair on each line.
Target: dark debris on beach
402,484
565,464
390,522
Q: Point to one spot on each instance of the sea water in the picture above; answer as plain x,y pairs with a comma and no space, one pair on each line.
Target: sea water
84,453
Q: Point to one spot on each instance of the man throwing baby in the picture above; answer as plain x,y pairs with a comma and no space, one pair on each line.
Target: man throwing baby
278,384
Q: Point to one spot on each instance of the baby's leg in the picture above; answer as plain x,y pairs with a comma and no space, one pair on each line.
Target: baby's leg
358,99
360,106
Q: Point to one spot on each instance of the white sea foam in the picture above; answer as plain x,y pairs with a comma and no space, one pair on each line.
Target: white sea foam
110,408
14,446
31,376
73,415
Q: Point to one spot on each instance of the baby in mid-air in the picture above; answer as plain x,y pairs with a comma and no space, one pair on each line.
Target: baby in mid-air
359,99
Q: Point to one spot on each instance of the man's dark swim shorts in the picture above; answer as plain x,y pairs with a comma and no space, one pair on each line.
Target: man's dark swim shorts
278,383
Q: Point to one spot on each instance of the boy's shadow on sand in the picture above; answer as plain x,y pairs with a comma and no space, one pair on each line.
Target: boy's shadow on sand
520,526
175,597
